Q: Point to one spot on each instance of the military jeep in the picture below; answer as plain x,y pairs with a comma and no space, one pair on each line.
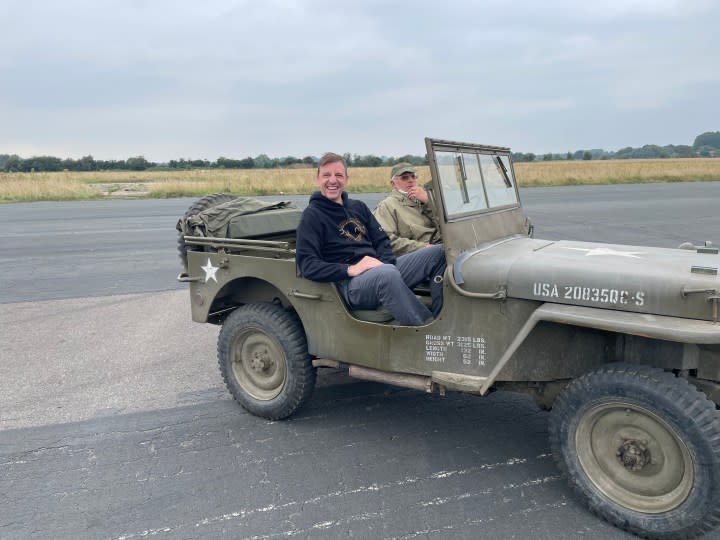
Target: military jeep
621,343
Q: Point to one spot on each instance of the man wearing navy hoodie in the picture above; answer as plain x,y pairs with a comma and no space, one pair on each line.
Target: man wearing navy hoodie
339,240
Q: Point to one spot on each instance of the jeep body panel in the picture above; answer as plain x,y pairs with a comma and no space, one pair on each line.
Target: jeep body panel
458,341
481,340
646,280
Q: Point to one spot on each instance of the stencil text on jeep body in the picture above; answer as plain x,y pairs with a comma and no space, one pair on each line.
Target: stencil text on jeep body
470,349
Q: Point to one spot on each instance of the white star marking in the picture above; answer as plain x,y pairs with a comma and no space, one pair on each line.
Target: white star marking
608,251
210,271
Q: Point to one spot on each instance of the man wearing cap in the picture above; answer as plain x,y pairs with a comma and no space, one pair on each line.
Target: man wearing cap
405,214
339,241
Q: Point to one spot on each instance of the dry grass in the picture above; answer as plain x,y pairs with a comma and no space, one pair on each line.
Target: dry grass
622,171
271,182
196,183
27,187
238,182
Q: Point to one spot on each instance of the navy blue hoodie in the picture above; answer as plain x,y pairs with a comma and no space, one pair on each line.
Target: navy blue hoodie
333,236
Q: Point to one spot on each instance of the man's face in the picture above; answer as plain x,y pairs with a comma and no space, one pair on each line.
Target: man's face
403,182
331,180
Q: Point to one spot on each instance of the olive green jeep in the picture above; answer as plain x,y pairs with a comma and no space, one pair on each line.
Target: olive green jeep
621,343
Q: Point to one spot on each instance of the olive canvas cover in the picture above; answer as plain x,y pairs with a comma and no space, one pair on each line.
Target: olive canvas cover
243,217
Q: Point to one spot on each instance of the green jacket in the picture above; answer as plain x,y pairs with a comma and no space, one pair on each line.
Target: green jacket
409,224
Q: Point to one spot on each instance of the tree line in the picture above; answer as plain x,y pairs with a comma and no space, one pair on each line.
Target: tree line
705,145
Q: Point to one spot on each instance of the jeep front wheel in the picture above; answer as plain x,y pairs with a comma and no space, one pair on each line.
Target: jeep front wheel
262,354
641,448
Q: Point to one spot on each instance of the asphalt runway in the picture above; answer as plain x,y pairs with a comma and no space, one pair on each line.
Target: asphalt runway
114,421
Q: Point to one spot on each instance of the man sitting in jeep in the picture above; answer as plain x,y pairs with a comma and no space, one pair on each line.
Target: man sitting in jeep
339,240
405,214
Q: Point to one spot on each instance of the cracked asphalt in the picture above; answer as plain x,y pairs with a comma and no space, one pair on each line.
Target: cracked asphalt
114,421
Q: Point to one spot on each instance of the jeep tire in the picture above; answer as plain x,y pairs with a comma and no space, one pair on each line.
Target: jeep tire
263,358
641,448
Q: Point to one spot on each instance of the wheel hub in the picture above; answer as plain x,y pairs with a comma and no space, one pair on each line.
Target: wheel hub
634,457
633,454
260,361
258,364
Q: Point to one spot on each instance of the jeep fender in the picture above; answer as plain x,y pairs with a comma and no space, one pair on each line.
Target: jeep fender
622,322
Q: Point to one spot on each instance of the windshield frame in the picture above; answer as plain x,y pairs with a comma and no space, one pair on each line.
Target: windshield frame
456,206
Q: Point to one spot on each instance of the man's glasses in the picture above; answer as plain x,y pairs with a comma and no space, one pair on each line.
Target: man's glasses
407,176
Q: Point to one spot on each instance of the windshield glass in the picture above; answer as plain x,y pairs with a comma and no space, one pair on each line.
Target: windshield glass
500,189
473,182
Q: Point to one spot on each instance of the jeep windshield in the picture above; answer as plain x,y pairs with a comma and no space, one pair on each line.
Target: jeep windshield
474,180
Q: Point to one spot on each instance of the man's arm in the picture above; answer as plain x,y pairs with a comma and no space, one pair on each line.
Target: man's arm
308,253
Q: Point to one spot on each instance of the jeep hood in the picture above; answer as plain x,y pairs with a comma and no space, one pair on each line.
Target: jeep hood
661,281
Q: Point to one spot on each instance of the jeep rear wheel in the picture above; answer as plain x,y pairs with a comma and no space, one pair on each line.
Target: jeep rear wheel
641,447
262,354
198,206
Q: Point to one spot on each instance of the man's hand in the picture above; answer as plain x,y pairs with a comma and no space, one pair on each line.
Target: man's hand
416,193
363,265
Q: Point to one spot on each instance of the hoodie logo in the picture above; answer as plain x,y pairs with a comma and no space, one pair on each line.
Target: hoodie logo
352,229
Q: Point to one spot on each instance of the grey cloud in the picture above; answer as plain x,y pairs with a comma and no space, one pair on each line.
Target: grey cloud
235,78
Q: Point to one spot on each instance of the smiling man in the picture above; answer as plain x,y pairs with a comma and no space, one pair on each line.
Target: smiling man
340,241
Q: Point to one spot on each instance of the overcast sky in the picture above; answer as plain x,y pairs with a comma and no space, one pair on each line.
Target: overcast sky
202,79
